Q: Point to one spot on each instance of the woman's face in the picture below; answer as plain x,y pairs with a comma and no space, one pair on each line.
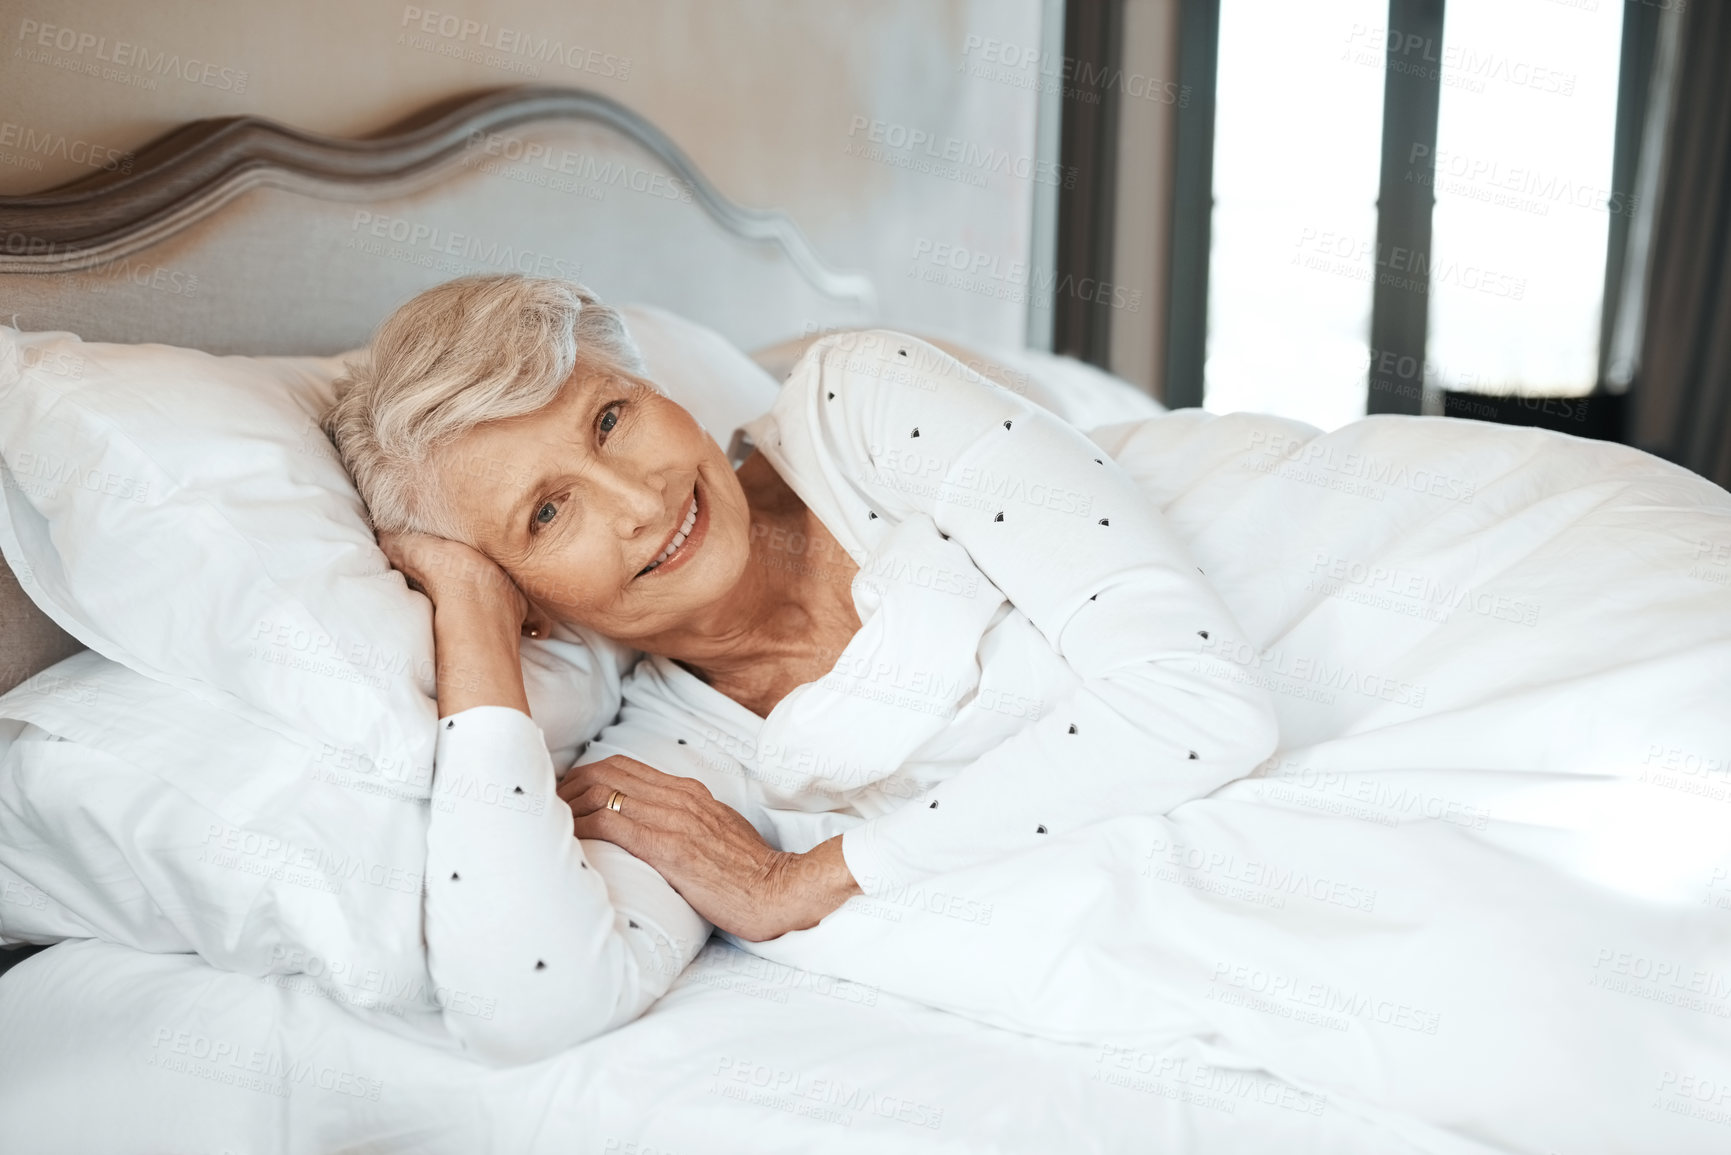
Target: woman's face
576,501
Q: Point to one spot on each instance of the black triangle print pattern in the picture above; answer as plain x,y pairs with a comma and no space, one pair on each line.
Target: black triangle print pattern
998,517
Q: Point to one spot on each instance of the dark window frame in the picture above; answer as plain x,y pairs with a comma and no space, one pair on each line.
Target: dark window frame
1192,204
1399,305
1087,206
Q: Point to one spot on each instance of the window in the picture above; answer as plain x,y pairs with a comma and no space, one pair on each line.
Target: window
1521,171
1298,123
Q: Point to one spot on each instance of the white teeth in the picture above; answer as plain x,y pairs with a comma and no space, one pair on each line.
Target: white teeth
678,538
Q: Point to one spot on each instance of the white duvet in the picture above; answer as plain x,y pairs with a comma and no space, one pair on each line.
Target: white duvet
1481,891
1481,898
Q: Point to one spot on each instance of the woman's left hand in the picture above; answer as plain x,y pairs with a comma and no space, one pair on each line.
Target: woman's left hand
706,850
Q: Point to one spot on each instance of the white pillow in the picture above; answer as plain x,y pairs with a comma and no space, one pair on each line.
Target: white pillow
183,515
138,813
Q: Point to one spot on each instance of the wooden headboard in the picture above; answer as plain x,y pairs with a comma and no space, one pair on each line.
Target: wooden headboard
241,235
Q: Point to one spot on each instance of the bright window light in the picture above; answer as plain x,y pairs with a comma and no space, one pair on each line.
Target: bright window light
1298,134
1522,173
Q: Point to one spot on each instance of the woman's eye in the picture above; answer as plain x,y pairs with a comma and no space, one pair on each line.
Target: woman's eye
546,513
610,416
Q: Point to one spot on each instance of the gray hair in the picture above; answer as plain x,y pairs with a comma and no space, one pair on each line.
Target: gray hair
477,349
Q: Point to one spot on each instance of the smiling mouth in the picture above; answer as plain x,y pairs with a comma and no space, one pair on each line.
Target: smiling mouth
680,537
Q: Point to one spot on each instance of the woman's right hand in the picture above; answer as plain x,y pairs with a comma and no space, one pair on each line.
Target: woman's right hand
478,617
450,572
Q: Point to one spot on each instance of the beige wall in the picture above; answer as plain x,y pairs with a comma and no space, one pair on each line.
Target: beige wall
765,95
1141,243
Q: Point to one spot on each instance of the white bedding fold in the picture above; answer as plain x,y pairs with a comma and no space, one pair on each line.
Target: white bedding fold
742,1057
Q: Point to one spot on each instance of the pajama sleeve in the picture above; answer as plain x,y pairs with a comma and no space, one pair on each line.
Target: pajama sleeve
535,941
901,428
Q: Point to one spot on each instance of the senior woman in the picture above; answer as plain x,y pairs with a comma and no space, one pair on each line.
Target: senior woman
923,623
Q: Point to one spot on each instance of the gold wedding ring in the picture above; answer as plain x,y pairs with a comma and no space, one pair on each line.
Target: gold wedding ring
614,802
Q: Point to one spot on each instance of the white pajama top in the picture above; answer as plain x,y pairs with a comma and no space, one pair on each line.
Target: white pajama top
1028,662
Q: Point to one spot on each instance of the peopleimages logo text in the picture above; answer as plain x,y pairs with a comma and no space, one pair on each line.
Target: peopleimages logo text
34,35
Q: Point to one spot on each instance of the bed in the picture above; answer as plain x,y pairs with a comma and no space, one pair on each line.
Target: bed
217,225
105,1048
